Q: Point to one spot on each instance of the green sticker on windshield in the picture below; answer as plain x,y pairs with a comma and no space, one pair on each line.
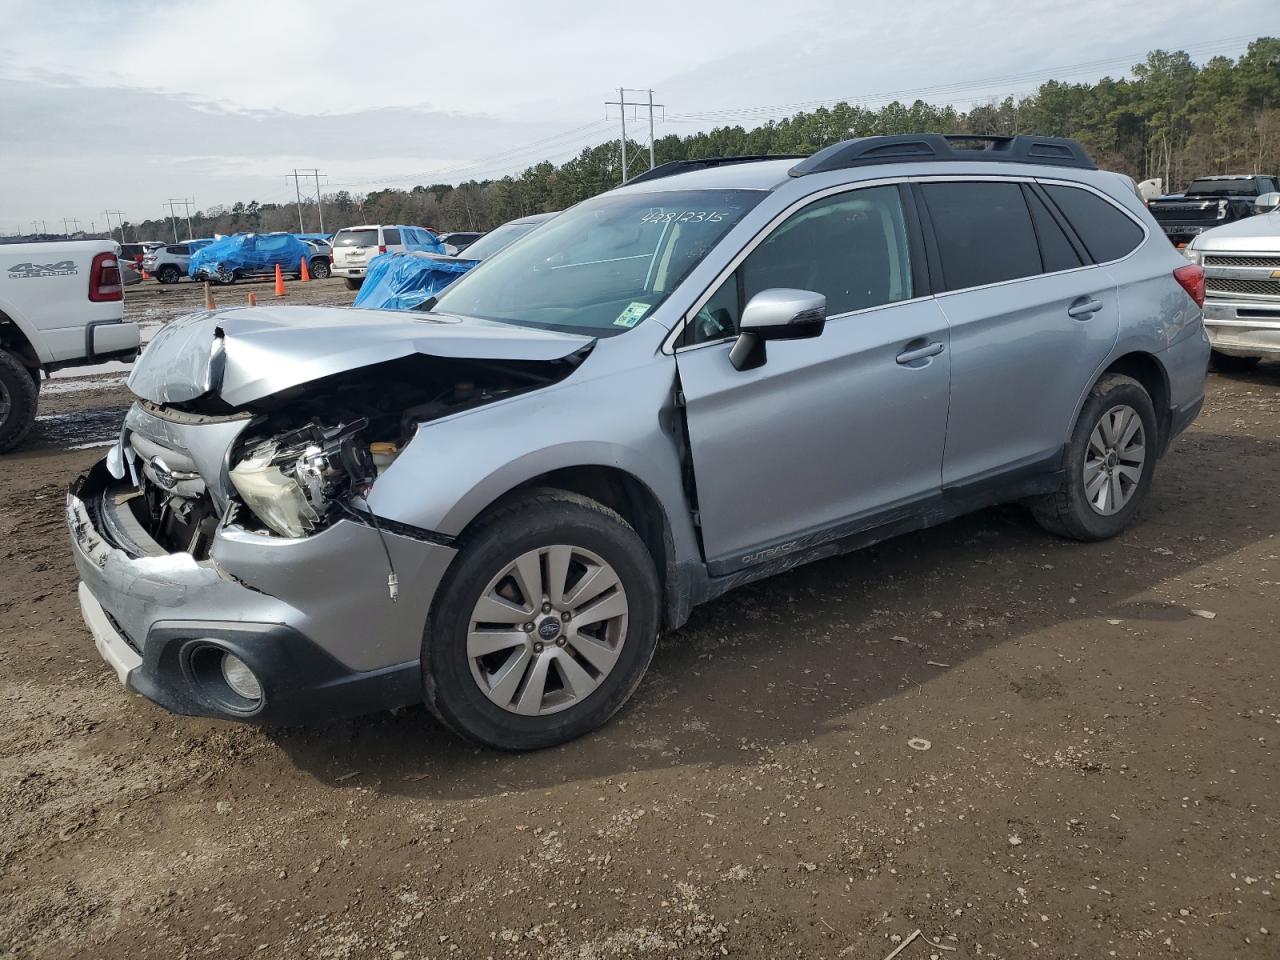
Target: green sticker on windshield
632,315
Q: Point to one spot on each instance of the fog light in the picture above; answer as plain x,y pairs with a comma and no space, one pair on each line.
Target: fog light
240,678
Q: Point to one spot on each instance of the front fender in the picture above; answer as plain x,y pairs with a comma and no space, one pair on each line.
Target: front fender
456,467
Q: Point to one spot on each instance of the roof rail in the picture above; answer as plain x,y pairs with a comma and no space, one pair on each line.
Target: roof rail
672,167
934,147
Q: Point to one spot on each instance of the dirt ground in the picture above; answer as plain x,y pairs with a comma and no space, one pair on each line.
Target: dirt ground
1100,778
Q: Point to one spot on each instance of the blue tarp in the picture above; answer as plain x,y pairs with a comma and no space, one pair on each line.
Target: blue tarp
248,254
401,281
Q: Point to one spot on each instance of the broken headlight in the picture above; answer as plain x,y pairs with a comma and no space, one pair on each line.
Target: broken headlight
291,482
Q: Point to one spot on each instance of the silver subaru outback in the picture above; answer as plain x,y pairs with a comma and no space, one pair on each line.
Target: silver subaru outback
720,371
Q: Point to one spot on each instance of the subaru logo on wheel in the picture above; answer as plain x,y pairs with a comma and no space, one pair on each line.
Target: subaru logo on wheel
549,628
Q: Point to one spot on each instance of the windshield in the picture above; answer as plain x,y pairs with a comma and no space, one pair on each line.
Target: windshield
603,266
356,238
495,240
1243,187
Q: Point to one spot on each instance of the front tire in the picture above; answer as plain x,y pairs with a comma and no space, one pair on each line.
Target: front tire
544,625
319,269
1110,463
19,396
1225,363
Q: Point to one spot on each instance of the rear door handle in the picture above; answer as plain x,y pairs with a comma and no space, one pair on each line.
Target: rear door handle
920,353
1084,308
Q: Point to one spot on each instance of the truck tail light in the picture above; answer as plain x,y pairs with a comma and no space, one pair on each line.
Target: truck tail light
104,279
1191,278
382,248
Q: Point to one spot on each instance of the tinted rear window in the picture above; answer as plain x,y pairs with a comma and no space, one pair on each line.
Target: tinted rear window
179,251
356,238
1240,187
1056,250
390,237
1107,233
984,232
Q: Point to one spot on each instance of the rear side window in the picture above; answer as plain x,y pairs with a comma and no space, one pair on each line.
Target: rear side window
1106,233
1056,251
984,232
390,237
179,251
356,238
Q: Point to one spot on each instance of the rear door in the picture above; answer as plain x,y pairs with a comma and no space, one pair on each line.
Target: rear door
1031,321
831,434
354,247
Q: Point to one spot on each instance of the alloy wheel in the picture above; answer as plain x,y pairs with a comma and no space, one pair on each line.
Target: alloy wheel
1114,460
547,630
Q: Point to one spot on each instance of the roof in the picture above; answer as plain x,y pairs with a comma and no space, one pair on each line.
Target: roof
758,175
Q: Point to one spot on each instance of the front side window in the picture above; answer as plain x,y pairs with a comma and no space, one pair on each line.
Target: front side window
852,248
1105,232
984,232
603,266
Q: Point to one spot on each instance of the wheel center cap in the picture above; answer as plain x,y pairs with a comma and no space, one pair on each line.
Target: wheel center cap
1112,459
549,629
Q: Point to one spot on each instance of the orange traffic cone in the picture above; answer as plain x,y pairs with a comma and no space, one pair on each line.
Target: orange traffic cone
145,275
253,299
304,274
280,292
208,297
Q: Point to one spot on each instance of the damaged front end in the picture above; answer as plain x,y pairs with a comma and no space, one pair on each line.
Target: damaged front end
238,531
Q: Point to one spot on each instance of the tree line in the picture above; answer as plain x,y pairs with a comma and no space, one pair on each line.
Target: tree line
1174,119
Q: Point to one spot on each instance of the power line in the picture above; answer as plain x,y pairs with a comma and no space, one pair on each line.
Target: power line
622,103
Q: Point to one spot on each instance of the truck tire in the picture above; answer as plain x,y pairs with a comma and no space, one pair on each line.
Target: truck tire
1224,363
353,283
1109,466
544,625
18,398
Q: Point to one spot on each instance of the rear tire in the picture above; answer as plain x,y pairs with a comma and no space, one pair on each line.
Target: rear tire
1224,363
1073,510
168,274
353,283
19,396
590,662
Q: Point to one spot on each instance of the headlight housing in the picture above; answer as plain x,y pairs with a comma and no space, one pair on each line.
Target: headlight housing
1192,254
292,481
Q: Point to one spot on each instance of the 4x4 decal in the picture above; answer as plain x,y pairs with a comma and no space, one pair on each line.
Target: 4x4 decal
63,268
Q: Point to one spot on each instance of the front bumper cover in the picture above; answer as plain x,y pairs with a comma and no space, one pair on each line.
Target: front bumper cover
310,617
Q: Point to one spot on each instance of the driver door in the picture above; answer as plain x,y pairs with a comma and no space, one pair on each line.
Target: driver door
833,434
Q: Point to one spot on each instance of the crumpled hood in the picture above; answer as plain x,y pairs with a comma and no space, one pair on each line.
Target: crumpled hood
248,353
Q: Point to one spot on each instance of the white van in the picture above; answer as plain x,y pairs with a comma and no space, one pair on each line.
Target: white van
354,247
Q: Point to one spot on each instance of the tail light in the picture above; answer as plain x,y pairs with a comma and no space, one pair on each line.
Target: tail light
104,279
1191,278
382,248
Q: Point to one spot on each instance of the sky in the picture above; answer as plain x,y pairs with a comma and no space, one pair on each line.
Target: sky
123,104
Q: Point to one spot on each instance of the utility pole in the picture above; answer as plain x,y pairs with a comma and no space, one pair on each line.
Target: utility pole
297,176
173,217
67,229
622,103
119,215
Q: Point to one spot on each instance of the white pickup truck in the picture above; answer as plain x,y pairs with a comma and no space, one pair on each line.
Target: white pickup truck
61,305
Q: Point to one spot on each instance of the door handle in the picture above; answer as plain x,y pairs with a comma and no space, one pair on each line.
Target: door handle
920,353
1084,308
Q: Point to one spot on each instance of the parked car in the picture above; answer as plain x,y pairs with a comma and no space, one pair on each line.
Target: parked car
720,371
320,264
168,264
129,272
354,247
1242,287
456,242
1210,202
247,255
61,305
404,281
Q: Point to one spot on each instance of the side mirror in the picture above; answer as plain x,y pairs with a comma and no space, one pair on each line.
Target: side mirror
1266,203
777,314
